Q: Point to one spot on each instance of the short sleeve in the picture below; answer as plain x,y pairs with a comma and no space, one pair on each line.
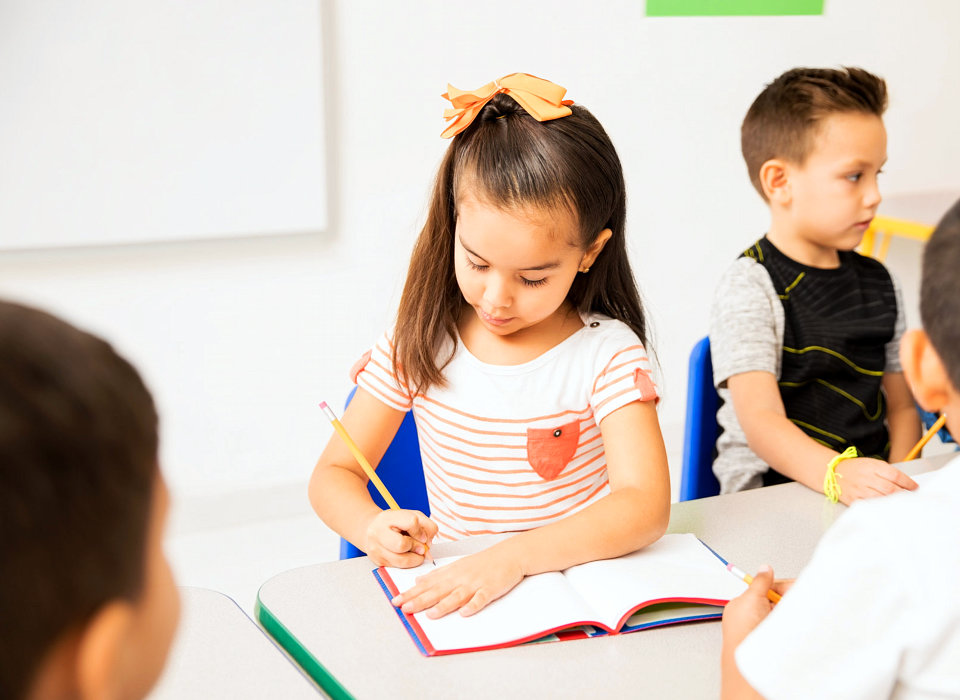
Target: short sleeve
626,377
374,372
746,323
840,631
893,347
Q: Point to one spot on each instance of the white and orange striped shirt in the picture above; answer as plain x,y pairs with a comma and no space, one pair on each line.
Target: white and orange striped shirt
513,447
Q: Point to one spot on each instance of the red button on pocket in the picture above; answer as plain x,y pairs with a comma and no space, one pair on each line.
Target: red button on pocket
549,450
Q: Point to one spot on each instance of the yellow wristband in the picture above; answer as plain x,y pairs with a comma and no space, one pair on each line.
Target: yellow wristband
831,480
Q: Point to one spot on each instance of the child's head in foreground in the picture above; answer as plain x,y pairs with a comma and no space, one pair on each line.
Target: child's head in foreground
931,357
814,143
561,175
89,605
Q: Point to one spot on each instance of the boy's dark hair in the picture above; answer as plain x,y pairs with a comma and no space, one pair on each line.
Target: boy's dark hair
515,162
78,466
783,120
940,292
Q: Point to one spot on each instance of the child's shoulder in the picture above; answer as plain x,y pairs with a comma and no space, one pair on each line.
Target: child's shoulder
601,331
905,524
746,276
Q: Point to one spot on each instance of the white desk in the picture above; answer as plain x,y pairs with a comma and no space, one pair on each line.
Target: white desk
219,652
336,622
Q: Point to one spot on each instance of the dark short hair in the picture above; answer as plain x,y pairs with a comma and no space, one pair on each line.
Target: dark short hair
783,120
940,292
78,467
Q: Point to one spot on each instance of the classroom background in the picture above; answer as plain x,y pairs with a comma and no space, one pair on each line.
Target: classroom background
241,337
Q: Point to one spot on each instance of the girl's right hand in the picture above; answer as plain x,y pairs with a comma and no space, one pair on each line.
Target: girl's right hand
865,477
399,538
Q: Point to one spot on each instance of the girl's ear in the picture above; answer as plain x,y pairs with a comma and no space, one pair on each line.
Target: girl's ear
594,250
775,181
924,371
99,660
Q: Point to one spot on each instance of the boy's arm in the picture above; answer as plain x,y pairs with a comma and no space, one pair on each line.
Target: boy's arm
786,448
903,422
740,617
771,435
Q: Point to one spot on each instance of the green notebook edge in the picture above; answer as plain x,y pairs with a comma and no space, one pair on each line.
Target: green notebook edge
307,661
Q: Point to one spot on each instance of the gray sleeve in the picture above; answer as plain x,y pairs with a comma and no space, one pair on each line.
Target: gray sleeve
746,323
893,347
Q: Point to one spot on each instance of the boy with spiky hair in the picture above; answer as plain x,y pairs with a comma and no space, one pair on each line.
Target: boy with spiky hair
804,331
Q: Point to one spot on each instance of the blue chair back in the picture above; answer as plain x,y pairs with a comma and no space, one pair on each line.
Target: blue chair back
701,431
401,472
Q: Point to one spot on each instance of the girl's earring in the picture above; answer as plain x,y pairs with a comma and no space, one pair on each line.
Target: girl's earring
584,270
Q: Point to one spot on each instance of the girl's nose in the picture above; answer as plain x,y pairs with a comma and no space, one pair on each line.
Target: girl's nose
497,293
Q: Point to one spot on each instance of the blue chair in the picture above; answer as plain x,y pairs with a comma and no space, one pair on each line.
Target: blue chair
701,431
401,472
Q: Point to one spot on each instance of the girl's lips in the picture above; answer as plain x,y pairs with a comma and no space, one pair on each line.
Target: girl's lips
864,224
493,320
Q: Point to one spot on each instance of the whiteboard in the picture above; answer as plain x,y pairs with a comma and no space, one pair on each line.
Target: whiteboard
125,121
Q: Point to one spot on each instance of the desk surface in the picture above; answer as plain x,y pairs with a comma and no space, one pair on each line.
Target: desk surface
219,652
334,619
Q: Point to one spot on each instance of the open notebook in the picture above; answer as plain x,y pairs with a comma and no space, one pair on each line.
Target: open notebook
676,579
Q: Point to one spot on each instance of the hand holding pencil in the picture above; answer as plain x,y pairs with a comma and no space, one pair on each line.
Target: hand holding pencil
404,522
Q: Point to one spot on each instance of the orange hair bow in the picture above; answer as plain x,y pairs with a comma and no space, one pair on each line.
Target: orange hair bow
542,99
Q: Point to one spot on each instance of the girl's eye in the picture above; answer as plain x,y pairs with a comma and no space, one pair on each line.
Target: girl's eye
474,266
855,177
534,283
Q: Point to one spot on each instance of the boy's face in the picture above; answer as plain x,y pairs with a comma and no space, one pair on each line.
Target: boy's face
157,611
834,195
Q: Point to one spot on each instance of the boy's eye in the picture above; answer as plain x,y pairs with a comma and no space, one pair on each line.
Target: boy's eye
534,283
854,177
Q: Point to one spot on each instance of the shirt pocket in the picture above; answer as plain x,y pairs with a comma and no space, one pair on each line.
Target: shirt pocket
549,450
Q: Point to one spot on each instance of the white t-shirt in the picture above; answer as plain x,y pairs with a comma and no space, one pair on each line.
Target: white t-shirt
876,613
513,447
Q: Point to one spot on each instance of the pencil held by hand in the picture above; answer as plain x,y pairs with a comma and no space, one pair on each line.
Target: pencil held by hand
772,595
364,464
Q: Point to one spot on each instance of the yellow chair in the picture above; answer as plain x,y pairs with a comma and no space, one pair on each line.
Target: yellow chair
886,228
908,216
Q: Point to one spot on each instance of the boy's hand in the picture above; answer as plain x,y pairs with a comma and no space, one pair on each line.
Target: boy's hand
740,618
467,585
865,477
398,538
746,611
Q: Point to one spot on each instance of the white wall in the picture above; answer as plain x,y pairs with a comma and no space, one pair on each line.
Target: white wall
241,339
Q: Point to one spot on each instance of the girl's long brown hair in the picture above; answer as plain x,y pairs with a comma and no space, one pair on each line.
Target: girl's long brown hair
517,163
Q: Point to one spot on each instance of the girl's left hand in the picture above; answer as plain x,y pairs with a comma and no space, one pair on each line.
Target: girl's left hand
467,585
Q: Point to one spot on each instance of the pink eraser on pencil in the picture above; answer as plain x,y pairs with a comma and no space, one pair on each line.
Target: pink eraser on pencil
323,404
729,567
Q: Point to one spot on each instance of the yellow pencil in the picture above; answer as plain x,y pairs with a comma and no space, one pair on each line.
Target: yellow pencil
772,596
912,454
364,464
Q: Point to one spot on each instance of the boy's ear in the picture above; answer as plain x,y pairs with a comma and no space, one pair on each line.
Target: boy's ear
593,251
774,180
924,371
99,661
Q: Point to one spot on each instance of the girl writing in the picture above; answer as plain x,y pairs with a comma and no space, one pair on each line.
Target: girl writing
519,346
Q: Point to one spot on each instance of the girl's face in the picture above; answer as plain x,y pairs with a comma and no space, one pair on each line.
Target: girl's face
515,268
